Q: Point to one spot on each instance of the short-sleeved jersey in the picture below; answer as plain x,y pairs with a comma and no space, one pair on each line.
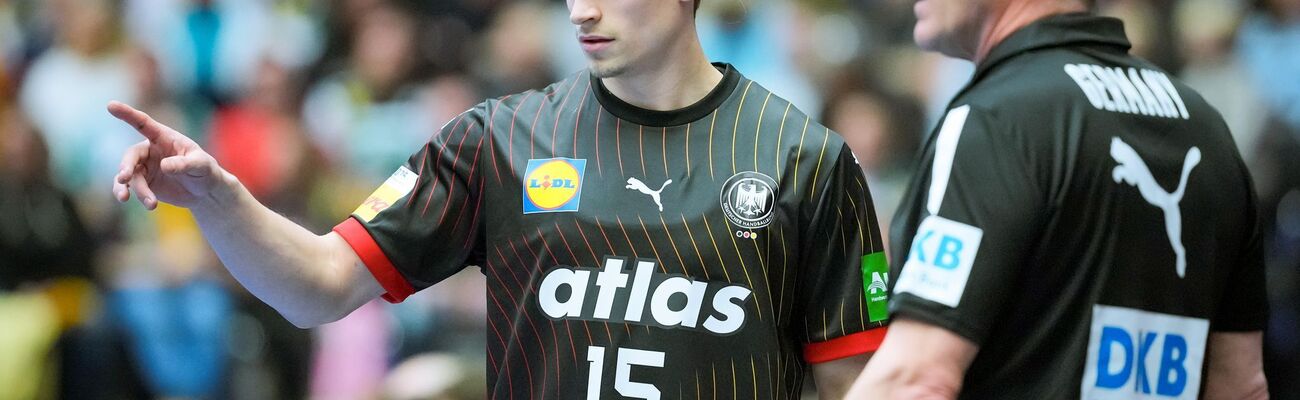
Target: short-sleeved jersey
715,250
1082,217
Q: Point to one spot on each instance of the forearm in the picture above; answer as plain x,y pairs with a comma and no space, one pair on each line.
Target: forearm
889,379
300,274
1235,366
916,361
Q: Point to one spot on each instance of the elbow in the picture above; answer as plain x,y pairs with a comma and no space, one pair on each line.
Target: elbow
308,319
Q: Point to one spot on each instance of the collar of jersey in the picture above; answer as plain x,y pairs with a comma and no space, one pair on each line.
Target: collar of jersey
1055,31
681,116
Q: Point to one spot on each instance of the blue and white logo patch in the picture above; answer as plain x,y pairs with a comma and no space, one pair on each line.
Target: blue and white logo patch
940,261
1135,354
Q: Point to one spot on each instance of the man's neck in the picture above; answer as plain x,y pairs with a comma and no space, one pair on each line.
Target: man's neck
1013,17
668,85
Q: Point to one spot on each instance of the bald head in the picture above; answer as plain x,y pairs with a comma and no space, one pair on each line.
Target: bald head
968,29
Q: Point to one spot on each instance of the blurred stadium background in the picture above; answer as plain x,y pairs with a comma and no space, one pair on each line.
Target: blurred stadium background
312,103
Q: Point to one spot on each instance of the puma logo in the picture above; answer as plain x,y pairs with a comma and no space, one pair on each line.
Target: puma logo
637,185
1133,171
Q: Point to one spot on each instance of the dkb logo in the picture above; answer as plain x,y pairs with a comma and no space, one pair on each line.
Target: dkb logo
940,261
1140,354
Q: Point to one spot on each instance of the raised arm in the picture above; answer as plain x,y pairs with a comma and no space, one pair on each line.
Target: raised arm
310,279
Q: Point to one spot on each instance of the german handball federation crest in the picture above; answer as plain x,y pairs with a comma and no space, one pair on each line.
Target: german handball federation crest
748,199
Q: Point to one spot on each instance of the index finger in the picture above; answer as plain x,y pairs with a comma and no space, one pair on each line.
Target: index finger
142,123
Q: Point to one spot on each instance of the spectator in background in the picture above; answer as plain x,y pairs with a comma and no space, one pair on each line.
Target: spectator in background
516,46
758,37
211,48
48,303
87,66
882,128
1205,29
1269,46
12,40
366,116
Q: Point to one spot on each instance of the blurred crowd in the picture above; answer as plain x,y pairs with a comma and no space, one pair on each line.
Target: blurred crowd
312,103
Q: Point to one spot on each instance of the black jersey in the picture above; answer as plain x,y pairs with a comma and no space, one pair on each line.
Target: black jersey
712,251
1084,218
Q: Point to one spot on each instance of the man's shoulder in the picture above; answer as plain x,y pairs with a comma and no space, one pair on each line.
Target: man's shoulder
537,99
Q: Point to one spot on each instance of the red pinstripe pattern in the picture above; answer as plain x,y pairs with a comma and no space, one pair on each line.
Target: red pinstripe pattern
680,261
491,140
478,205
611,250
451,189
527,367
599,168
532,129
653,248
640,146
618,144
510,141
473,167
663,146
442,144
433,188
577,120
626,237
528,317
595,261
575,260
554,337
420,176
545,246
559,112
703,266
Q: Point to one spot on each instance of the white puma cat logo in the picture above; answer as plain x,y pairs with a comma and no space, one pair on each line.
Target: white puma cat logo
635,184
1133,171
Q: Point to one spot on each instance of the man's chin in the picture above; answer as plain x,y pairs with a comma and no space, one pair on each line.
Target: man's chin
606,69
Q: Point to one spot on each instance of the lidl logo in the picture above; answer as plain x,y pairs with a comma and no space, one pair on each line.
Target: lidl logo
553,185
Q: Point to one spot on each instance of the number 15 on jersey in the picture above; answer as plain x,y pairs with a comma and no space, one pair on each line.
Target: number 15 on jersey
626,358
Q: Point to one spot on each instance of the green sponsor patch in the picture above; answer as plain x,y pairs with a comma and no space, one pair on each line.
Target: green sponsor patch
875,285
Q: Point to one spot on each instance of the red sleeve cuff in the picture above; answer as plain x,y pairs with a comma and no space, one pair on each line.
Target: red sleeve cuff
375,260
844,346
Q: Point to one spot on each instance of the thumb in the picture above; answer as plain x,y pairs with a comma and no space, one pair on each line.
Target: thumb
193,164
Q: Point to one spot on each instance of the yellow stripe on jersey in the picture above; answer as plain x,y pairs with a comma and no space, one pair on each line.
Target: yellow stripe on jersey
716,251
813,186
780,133
697,248
711,123
735,126
758,305
798,154
759,130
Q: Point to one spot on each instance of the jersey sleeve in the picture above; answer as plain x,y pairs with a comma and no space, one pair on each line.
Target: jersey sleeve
981,213
422,225
843,295
1244,303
